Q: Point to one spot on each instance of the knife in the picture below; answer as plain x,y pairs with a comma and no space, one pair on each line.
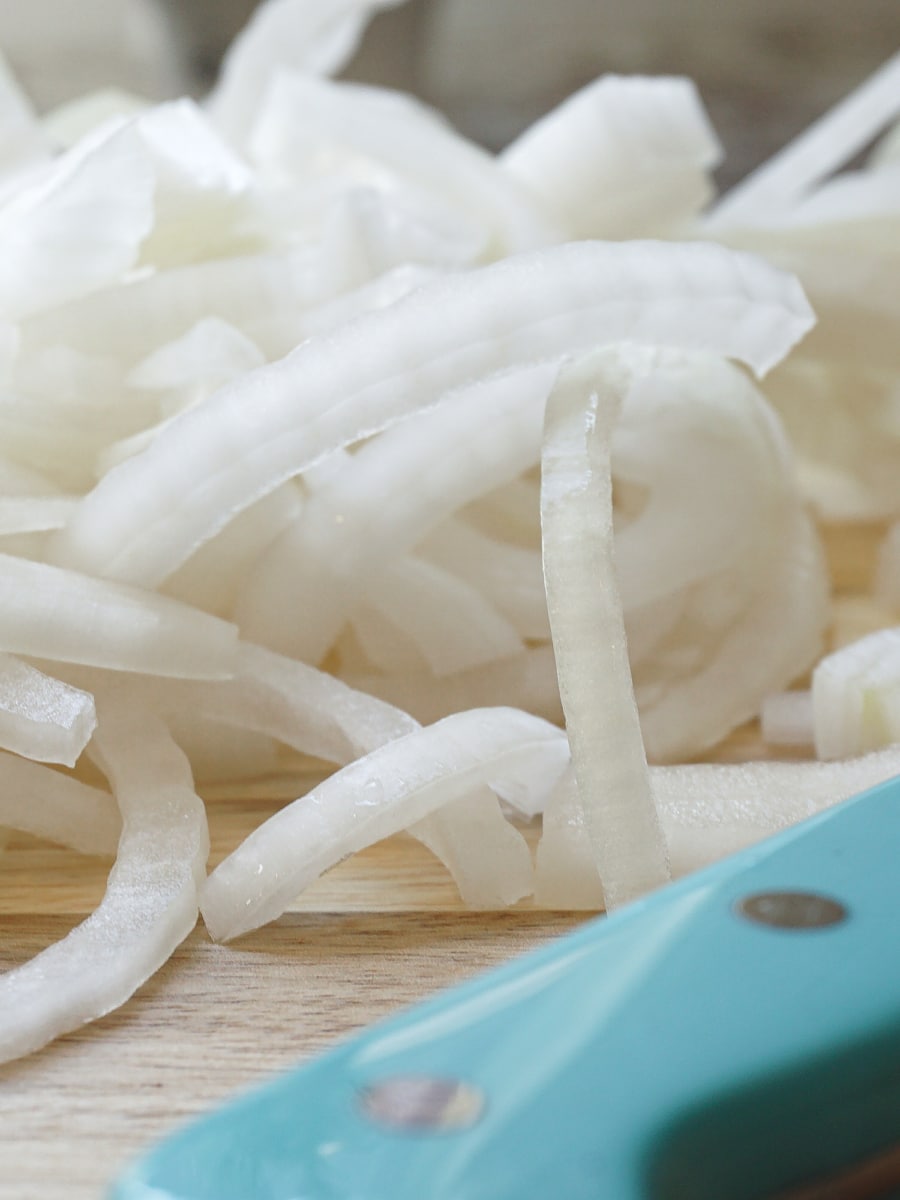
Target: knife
729,1037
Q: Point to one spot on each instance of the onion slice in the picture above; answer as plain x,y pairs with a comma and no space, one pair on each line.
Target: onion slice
622,157
48,804
41,717
150,904
588,628
52,613
372,798
279,420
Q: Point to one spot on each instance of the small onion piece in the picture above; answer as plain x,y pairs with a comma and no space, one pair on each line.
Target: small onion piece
372,798
41,717
150,904
622,157
708,810
588,628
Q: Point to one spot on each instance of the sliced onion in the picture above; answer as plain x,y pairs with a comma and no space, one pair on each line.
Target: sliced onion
589,631
79,227
253,435
150,904
708,810
54,613
41,717
370,799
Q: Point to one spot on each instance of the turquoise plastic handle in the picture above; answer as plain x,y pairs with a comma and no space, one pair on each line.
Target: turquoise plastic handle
676,1049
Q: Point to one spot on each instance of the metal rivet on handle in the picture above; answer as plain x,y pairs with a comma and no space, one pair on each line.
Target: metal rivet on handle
791,910
423,1103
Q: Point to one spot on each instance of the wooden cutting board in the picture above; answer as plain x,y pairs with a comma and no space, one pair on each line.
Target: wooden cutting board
382,930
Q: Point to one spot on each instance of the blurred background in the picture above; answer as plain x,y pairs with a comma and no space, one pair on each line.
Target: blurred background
765,67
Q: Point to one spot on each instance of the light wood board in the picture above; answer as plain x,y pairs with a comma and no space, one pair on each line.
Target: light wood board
381,931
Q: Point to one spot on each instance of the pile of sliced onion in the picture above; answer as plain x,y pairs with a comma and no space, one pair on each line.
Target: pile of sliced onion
323,427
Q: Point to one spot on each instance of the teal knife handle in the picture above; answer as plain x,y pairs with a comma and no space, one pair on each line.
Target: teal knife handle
675,1049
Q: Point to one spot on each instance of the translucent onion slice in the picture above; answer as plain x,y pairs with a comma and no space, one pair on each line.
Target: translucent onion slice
372,798
315,36
52,613
817,152
622,157
41,717
708,810
150,904
318,715
48,804
588,628
856,696
277,421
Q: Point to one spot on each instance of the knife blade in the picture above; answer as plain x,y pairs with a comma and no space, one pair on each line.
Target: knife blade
729,1037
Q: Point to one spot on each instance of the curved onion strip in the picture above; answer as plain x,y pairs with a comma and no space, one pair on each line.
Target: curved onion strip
372,798
589,631
52,613
856,696
318,715
620,158
818,151
316,36
257,432
47,804
150,904
379,502
41,717
708,810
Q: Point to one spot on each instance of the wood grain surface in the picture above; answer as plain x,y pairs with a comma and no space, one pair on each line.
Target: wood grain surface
380,931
